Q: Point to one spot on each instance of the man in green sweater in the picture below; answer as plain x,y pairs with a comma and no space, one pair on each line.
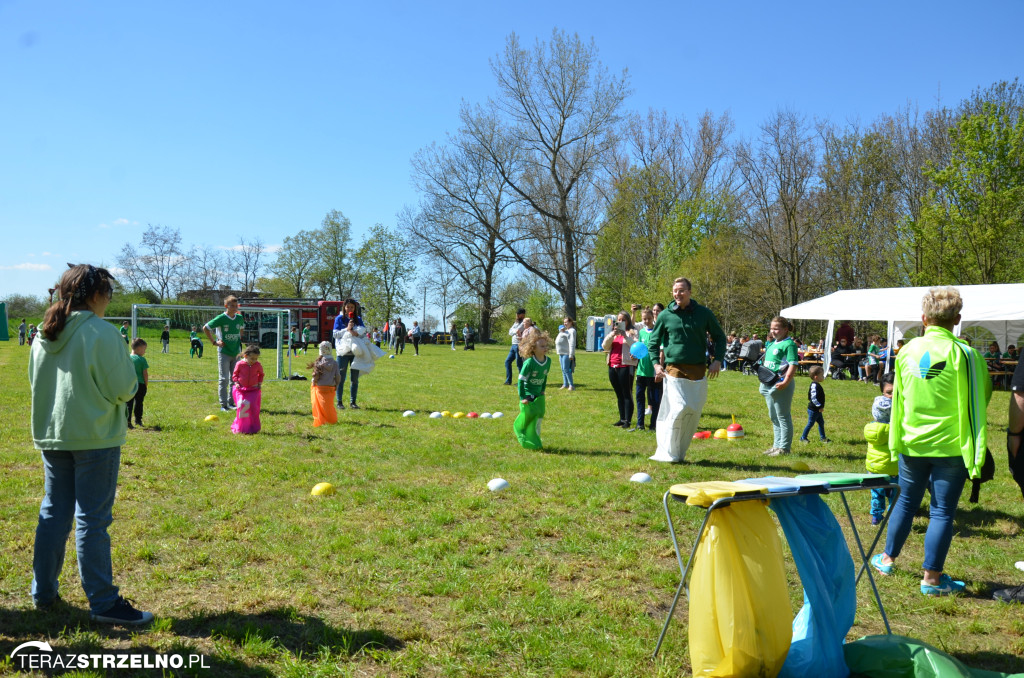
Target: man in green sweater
678,345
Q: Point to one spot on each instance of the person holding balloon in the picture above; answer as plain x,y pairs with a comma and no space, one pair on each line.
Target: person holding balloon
648,384
621,364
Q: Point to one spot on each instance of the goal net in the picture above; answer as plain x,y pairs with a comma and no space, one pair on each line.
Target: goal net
188,360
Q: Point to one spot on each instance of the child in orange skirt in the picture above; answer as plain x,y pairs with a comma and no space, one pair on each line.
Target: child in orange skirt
326,378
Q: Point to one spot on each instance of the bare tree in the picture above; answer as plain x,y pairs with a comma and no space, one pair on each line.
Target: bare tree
550,133
205,268
778,172
444,283
158,264
247,261
465,206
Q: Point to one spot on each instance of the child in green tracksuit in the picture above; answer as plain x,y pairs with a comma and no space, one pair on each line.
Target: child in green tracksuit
533,378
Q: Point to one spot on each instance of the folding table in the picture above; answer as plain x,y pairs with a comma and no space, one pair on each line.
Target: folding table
718,494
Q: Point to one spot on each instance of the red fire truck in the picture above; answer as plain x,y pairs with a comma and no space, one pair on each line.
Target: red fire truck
318,313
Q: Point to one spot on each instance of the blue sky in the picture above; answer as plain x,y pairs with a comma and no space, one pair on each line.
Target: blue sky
225,119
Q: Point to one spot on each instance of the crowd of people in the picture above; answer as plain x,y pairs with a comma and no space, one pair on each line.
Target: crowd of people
928,429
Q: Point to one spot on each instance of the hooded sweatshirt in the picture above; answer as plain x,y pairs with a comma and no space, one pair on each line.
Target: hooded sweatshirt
940,396
80,383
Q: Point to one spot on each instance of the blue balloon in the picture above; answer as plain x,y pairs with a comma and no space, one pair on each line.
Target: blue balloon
639,350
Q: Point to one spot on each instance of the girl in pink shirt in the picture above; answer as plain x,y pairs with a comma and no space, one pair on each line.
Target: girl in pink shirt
248,380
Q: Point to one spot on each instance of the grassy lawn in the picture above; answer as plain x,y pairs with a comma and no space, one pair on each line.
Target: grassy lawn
414,568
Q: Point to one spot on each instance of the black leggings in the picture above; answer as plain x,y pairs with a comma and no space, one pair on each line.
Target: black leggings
136,404
416,344
648,392
622,382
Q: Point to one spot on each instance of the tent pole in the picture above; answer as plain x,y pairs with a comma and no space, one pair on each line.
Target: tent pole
827,359
890,329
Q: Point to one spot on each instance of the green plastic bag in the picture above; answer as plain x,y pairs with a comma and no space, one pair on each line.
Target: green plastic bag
902,657
740,616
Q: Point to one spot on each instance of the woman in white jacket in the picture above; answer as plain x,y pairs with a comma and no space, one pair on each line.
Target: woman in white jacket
565,347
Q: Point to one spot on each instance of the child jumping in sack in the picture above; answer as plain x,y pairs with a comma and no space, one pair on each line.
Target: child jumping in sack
326,378
533,379
248,383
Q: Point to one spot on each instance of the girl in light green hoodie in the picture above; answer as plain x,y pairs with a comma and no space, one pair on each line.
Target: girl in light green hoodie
81,379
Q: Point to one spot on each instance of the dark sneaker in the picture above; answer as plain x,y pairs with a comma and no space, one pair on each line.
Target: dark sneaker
123,612
353,406
825,440
1011,595
619,423
341,406
804,440
130,425
945,587
875,520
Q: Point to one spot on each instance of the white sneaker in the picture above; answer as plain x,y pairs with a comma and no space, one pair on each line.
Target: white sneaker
1019,565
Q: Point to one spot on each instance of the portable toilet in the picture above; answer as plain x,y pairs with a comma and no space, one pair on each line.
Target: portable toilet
595,333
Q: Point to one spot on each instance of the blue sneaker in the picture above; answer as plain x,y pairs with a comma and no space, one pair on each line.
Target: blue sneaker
945,587
876,562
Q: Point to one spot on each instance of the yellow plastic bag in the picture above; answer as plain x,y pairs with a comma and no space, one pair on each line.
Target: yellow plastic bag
740,617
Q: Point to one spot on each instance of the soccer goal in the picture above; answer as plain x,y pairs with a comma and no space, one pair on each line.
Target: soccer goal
147,323
195,360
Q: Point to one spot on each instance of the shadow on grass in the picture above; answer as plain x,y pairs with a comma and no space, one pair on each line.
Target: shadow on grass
973,520
259,636
561,451
760,468
992,661
299,634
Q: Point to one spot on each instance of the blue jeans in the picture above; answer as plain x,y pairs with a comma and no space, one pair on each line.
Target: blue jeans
878,497
513,354
343,362
566,362
79,486
780,405
944,478
813,418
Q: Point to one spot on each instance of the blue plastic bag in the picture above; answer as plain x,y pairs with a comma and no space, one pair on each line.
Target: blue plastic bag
639,350
825,567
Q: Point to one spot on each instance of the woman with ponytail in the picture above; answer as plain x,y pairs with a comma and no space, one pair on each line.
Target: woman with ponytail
780,356
81,378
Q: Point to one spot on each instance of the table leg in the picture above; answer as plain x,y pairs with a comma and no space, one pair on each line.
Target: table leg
683,569
864,561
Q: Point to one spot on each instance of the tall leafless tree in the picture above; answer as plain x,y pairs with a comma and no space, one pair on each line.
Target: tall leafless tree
465,207
158,264
247,261
550,133
778,170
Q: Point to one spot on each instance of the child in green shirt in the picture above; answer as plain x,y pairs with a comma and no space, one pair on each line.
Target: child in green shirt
138,357
533,379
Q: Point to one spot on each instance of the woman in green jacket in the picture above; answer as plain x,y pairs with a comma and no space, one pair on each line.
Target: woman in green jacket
938,433
81,378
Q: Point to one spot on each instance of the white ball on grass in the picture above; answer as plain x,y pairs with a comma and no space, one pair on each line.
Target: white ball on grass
640,478
408,413
485,415
497,485
435,415
497,415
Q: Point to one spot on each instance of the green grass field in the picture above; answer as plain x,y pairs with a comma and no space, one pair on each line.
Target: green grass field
414,568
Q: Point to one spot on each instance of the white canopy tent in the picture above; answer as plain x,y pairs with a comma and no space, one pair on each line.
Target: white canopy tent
997,308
